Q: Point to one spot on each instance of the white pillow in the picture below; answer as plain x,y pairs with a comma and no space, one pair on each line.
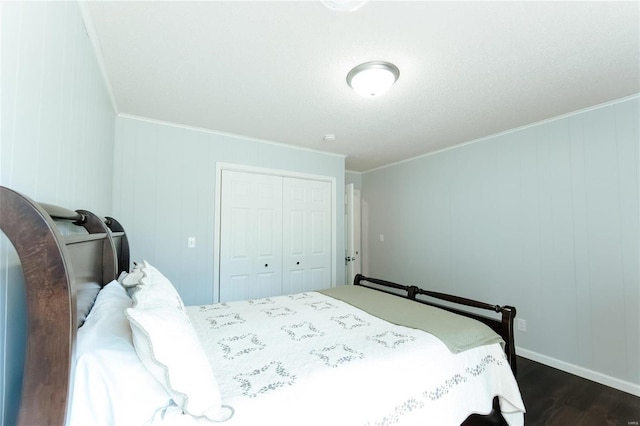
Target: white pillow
111,386
144,275
163,291
133,277
170,349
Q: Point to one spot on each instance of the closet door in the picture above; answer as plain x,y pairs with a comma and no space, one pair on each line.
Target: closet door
306,235
251,236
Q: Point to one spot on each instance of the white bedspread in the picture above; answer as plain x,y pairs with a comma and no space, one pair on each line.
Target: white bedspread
309,359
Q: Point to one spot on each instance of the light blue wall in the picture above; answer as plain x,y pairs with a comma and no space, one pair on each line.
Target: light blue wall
354,178
544,218
164,192
56,145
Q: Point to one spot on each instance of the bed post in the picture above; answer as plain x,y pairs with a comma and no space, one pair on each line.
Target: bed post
93,224
123,255
508,315
50,306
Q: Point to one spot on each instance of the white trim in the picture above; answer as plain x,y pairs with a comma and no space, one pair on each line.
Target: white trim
95,43
506,132
230,135
220,166
613,382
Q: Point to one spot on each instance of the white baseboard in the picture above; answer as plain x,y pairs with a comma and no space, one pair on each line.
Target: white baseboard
623,385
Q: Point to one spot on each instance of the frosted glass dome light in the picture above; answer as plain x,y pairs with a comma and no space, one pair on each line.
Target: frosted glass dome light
343,5
373,78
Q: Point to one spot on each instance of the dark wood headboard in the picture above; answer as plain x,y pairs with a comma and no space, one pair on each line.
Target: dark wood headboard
54,268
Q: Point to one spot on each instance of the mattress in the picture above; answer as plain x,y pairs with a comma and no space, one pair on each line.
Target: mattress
310,359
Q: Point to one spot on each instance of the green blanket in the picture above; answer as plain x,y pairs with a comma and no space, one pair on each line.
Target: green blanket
459,333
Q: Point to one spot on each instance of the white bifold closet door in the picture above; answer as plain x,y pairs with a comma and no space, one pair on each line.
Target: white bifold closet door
306,235
275,235
250,236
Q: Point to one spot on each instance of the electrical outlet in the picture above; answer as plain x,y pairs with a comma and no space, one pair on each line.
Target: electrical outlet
191,242
522,325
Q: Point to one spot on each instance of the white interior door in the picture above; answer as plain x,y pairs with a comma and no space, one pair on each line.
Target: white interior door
353,259
306,235
251,236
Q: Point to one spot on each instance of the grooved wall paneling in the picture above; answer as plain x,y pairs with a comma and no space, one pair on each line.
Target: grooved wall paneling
56,145
545,218
164,193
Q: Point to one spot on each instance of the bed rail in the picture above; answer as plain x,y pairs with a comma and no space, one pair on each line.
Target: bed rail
60,213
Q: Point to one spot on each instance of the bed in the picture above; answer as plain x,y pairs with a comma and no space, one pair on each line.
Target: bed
108,344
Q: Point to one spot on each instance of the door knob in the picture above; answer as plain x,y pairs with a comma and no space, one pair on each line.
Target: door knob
266,264
297,263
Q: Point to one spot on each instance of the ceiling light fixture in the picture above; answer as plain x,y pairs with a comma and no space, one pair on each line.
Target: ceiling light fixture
373,78
343,5
329,138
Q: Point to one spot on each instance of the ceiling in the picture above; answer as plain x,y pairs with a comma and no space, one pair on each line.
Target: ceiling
276,71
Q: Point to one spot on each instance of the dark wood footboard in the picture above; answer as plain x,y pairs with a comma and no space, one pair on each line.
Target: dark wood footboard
502,326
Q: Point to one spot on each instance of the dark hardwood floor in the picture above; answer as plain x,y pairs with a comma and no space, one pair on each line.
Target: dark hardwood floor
553,397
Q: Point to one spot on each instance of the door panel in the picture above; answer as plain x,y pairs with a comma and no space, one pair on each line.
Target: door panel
238,287
265,235
318,279
307,237
318,231
292,279
250,236
240,228
296,233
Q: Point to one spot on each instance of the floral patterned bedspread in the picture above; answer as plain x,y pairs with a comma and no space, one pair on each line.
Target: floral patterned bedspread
309,359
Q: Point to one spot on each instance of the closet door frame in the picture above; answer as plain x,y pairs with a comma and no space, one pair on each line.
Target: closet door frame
220,166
